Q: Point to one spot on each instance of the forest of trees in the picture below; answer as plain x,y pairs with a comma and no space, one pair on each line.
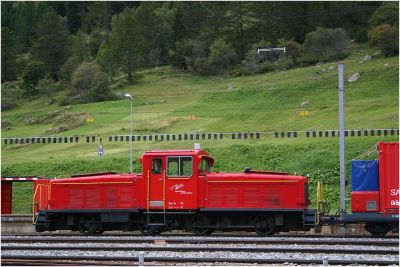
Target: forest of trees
81,46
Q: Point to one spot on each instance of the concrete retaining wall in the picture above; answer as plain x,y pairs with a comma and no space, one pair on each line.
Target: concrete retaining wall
17,224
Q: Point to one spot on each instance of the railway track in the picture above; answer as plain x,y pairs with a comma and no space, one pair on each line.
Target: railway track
196,250
206,240
125,260
205,248
184,234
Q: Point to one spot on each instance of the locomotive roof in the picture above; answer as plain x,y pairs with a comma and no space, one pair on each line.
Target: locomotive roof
176,152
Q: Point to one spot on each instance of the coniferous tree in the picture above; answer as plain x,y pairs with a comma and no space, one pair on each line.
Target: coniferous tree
107,60
126,42
8,55
53,44
80,45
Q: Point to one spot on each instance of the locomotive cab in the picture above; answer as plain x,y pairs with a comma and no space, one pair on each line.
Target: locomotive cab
171,178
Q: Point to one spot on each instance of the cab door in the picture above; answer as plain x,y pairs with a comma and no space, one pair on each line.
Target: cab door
156,195
181,183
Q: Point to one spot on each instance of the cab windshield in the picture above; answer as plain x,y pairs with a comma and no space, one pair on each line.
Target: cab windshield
205,165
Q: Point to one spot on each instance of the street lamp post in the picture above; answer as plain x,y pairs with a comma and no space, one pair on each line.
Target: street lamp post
131,135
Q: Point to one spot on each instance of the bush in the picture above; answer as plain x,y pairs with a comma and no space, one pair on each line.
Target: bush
195,54
101,88
257,63
326,44
222,55
292,49
284,62
89,84
288,59
68,68
386,38
191,55
82,79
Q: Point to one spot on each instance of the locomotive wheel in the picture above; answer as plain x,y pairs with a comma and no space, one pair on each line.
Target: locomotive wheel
265,225
198,223
149,229
377,229
39,228
99,232
90,228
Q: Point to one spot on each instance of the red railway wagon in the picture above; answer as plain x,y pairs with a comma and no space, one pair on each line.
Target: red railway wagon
176,190
377,202
6,197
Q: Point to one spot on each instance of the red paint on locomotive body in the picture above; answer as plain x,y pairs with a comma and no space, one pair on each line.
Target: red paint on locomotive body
174,180
95,192
255,190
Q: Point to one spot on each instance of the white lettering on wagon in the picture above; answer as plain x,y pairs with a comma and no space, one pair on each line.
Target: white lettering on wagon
394,192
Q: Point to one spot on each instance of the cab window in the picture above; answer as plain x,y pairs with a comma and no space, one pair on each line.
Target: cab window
179,166
204,165
156,166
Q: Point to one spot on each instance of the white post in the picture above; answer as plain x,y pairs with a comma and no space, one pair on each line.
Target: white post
141,259
325,261
342,146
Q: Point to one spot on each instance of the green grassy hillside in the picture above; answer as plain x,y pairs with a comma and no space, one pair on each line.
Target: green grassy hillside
168,101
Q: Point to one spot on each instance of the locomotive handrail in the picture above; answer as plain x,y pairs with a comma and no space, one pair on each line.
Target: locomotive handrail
33,200
91,174
264,172
164,177
148,191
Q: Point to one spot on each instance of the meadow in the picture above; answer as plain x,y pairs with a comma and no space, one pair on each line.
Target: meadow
169,101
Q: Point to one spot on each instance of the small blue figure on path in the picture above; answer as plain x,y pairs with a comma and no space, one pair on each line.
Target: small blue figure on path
100,150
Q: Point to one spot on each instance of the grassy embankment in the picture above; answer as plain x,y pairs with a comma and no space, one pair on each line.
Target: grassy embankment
166,100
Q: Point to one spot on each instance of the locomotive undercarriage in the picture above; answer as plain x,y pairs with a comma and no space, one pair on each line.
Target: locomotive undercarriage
199,222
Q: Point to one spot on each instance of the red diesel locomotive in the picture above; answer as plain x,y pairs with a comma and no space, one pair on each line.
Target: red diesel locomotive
177,190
